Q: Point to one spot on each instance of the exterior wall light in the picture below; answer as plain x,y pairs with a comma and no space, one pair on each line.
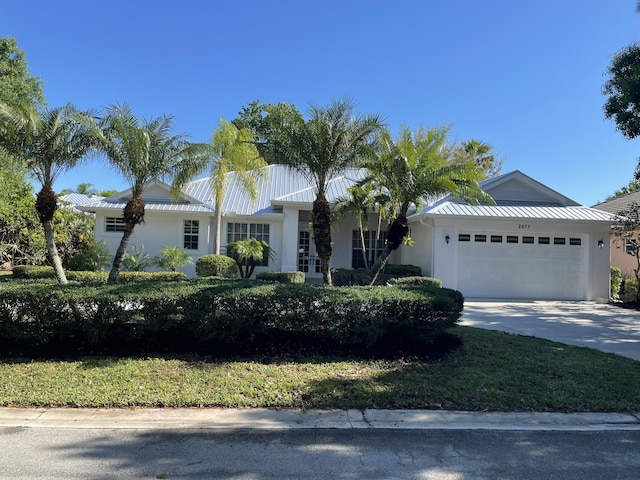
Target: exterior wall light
446,239
600,243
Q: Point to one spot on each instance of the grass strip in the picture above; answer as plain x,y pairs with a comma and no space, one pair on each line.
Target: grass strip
493,371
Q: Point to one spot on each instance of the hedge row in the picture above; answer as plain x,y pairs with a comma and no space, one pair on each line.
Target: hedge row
30,272
209,316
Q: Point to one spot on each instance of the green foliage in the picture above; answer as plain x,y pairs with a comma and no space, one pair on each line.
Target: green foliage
216,266
623,91
403,270
629,290
137,260
206,315
32,272
627,229
172,258
616,282
407,281
247,253
95,258
282,277
18,87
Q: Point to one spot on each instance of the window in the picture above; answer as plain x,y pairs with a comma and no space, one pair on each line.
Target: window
512,239
630,246
527,239
559,241
243,231
543,240
496,238
575,241
191,230
480,238
463,237
374,244
114,224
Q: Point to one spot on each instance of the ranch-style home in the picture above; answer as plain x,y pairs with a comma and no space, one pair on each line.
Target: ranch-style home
534,243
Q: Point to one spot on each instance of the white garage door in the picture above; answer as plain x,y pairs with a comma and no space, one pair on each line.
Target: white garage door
511,265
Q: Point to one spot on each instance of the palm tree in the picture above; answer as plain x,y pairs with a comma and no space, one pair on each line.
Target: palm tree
247,253
173,257
50,142
479,153
417,166
359,202
233,150
321,148
142,151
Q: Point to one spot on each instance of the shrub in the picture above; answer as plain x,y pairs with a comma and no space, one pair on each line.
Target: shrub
216,266
94,259
407,281
32,272
345,277
173,258
137,260
282,277
209,316
628,290
395,270
616,282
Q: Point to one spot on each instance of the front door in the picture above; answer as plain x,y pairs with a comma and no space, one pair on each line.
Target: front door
308,261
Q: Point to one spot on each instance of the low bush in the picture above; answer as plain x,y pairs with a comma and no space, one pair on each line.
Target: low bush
216,266
282,277
616,282
628,290
215,317
406,281
32,272
345,276
396,270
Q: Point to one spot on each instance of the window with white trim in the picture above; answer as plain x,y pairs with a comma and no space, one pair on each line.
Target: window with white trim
114,224
191,231
374,243
243,231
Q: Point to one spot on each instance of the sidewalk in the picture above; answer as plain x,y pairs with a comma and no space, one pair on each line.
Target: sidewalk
265,419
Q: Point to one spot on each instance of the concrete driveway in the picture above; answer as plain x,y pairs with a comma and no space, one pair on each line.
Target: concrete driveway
605,327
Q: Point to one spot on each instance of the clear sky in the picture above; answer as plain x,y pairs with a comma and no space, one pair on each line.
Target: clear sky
524,77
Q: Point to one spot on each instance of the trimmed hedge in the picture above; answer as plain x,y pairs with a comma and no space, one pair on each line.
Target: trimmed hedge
282,277
406,281
616,282
30,272
345,276
213,316
216,266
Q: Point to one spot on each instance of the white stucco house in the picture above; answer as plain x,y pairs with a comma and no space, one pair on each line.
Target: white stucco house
535,243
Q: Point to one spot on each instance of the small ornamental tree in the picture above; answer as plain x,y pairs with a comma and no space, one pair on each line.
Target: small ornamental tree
172,258
627,232
247,253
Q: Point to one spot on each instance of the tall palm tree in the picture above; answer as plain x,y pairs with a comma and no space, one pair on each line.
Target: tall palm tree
232,150
359,202
333,139
142,151
479,153
415,167
50,142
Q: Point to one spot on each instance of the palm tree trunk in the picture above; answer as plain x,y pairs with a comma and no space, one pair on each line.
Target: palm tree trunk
321,222
379,264
52,251
216,248
363,246
119,256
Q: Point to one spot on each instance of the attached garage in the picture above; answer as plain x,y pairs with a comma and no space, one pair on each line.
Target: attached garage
512,265
534,243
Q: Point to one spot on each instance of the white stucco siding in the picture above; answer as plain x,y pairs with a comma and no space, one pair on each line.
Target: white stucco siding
521,265
158,230
421,252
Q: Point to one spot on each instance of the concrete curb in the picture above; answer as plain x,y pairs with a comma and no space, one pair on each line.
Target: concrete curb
265,419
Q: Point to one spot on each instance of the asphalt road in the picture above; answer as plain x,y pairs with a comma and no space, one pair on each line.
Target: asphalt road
100,454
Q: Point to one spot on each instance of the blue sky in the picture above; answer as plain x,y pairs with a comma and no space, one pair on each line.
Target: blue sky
525,77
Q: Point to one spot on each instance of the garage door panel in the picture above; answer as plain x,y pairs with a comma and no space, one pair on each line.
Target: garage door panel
551,268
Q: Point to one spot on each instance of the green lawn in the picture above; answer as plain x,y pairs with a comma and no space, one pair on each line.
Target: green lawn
493,371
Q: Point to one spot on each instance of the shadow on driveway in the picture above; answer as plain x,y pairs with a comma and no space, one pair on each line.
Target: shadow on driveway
604,327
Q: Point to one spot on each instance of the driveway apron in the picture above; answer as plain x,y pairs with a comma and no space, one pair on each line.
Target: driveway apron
604,327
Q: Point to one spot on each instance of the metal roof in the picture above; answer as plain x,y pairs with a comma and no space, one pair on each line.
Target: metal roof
154,207
532,212
79,198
